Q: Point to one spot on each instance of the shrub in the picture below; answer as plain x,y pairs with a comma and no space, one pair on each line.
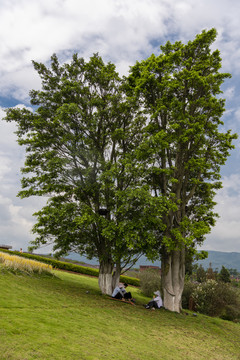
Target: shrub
224,275
215,298
71,267
150,281
188,290
130,280
201,274
231,312
58,264
235,283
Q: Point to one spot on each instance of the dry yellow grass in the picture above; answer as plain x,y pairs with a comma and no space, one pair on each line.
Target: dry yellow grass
18,263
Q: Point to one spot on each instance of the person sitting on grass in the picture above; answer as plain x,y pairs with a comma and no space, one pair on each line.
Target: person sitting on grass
156,302
120,293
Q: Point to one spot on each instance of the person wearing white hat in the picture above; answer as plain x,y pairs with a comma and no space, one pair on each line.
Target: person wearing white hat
156,302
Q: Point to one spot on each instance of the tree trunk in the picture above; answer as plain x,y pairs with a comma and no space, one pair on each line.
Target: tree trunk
173,274
116,275
105,276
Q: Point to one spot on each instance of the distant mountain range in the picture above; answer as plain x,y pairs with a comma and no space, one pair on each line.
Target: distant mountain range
231,260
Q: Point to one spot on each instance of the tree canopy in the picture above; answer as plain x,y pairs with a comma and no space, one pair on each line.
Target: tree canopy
130,165
184,146
80,152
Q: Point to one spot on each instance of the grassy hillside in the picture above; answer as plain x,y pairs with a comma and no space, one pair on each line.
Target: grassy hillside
66,317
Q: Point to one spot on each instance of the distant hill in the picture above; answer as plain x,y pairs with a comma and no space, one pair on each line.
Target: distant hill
142,261
231,260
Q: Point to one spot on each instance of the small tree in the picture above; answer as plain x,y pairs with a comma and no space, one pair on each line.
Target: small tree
224,275
201,274
150,281
210,274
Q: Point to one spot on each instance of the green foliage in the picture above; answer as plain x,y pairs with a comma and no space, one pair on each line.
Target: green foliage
231,313
188,290
179,90
216,299
80,151
184,145
130,280
146,149
61,265
224,275
235,283
190,257
201,274
150,281
233,272
58,264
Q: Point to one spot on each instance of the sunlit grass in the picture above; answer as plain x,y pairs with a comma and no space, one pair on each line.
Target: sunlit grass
66,317
18,263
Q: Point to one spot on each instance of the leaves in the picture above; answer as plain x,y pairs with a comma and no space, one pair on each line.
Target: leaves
184,148
81,146
146,149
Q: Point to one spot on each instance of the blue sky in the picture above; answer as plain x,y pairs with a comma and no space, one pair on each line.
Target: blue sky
121,31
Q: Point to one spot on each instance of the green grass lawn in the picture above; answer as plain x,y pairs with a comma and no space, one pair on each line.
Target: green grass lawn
66,317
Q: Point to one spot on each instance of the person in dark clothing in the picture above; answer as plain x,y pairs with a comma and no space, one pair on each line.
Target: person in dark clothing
120,292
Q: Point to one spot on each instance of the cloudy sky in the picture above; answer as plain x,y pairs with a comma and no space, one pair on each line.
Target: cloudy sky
121,31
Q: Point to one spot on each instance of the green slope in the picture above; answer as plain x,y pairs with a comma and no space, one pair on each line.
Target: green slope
66,317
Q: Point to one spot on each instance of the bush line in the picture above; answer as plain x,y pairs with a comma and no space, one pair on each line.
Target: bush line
61,265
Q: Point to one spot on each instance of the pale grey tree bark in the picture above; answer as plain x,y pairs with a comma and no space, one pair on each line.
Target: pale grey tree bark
173,274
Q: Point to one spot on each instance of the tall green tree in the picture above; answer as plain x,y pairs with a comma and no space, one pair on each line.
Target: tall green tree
201,274
224,275
184,148
80,144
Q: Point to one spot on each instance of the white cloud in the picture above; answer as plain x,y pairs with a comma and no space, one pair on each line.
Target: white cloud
229,93
122,31
237,114
225,236
16,219
35,29
4,166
